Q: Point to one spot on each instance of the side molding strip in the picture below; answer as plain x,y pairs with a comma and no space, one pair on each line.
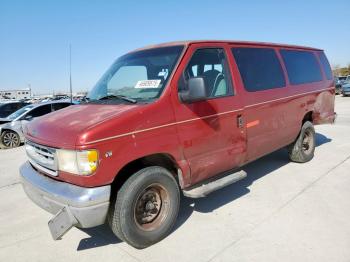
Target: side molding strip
201,118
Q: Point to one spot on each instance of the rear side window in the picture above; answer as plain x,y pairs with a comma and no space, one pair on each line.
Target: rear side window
15,106
58,106
302,66
260,68
40,111
325,65
7,107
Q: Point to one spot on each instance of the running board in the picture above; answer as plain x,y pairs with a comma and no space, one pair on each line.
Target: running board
206,188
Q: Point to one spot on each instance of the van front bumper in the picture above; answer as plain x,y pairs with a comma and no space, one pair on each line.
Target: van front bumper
87,206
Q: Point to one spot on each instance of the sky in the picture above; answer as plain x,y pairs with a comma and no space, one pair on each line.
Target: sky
35,35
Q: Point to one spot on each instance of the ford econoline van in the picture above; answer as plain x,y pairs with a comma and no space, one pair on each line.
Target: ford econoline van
172,119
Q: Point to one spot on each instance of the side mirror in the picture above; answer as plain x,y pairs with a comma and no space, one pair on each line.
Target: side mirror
195,90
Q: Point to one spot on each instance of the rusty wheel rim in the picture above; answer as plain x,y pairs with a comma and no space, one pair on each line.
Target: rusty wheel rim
308,142
151,207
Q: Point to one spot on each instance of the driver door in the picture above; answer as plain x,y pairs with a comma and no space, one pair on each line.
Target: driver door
211,134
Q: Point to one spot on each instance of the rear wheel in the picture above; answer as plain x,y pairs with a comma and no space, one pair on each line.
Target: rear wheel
302,150
146,207
10,139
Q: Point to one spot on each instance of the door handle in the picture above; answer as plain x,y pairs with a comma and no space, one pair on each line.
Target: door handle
240,121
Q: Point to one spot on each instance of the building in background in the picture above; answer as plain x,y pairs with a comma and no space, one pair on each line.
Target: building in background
16,94
27,94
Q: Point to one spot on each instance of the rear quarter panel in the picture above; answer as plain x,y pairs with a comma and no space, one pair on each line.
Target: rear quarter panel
323,108
278,113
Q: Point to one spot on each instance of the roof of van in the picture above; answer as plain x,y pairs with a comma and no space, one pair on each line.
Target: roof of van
236,42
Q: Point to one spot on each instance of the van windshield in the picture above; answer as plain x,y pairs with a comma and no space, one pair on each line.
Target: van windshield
138,76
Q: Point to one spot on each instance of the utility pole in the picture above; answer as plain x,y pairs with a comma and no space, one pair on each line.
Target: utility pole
30,90
70,73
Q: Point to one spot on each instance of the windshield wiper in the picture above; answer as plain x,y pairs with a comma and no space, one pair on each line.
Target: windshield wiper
125,98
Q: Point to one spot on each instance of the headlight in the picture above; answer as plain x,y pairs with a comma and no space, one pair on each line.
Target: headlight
77,162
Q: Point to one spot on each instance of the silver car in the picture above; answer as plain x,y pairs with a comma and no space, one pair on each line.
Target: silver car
346,88
11,134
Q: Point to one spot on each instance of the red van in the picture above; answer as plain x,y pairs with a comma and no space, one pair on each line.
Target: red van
178,117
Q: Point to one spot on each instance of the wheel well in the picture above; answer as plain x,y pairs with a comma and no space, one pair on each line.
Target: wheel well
307,117
6,129
163,160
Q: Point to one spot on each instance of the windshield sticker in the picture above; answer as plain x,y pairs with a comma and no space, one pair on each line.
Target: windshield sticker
148,84
163,73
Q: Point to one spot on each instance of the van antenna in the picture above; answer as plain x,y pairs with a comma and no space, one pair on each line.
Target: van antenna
70,74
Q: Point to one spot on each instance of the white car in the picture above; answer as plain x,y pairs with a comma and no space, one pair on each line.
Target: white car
11,134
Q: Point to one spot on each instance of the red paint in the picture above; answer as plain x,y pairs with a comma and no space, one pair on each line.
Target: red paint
202,138
253,123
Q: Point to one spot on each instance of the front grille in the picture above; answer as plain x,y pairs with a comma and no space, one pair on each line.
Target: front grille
42,157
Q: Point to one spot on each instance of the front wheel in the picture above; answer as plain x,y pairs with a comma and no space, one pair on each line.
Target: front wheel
10,139
146,207
302,150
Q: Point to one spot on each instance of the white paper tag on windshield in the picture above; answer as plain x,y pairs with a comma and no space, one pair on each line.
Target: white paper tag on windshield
148,83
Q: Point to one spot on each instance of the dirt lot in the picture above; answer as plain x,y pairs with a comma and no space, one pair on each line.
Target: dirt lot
281,212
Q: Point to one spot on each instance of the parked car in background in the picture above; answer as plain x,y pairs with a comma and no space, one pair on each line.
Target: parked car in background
11,127
346,87
60,97
342,79
8,107
338,85
79,98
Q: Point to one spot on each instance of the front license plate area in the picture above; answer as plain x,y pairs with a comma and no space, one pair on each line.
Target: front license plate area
61,223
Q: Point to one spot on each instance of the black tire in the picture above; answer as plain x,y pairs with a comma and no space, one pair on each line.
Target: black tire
134,216
10,139
302,150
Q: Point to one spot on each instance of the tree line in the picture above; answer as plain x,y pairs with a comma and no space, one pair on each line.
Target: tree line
341,71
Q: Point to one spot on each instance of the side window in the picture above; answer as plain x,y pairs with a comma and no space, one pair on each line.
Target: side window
260,68
40,111
211,64
14,106
302,66
325,65
19,105
7,108
58,106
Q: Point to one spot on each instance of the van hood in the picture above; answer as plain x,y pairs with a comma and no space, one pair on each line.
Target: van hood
61,128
